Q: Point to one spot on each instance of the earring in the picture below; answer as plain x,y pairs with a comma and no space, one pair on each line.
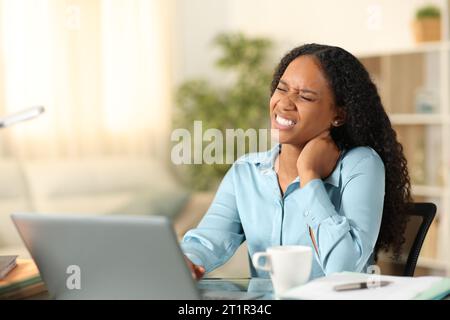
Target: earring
336,123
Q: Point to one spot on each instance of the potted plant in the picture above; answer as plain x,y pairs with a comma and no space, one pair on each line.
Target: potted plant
427,24
239,104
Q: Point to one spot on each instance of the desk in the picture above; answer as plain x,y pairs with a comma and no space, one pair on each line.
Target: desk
254,285
251,285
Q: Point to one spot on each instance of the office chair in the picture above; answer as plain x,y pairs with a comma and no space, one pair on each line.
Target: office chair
425,211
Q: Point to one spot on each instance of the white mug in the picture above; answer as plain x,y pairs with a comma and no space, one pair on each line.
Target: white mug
289,266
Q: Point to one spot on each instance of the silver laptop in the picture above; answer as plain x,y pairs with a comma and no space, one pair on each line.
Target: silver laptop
110,257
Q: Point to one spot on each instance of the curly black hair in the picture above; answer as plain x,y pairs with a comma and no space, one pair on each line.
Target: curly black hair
366,124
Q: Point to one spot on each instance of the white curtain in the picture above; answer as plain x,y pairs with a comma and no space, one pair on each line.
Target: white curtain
101,69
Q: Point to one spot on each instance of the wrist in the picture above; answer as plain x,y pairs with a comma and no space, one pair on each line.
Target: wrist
307,176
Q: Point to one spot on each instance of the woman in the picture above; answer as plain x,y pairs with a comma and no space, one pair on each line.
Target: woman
338,180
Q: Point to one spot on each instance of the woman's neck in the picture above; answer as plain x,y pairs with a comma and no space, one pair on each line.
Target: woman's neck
287,160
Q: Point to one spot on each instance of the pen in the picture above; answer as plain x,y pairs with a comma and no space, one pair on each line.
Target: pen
359,285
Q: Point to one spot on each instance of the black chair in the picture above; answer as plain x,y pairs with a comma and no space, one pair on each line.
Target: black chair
425,211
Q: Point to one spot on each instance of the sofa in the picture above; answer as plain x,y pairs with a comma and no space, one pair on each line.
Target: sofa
101,186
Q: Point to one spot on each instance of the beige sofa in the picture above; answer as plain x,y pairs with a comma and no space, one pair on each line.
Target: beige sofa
113,185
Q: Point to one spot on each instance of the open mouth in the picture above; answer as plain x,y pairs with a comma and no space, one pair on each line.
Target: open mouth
284,122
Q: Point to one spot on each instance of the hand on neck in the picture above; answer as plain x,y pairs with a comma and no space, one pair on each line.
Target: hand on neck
287,160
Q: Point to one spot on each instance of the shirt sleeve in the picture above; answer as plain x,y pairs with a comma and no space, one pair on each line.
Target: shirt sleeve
219,233
346,238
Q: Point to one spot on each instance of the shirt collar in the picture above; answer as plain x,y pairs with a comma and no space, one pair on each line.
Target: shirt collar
335,176
266,160
263,160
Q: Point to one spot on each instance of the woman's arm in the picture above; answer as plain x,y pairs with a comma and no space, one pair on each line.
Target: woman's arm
345,239
219,233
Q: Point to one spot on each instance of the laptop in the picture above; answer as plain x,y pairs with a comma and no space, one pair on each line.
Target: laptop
111,257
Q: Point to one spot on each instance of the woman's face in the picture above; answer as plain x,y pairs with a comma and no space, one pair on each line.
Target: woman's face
302,106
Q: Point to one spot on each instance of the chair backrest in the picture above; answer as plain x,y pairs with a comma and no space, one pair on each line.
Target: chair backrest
425,211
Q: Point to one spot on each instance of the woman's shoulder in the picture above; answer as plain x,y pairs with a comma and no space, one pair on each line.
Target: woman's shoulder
252,164
358,156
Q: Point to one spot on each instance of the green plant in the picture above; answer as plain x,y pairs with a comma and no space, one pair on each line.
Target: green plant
428,11
243,104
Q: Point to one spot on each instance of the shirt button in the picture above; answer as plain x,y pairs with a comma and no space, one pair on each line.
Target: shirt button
306,213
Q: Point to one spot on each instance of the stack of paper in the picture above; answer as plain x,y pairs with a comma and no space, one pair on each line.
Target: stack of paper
399,288
22,282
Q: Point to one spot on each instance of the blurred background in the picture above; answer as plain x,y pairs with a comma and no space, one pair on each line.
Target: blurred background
117,76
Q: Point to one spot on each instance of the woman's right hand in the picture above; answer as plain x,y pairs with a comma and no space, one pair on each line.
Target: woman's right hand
197,271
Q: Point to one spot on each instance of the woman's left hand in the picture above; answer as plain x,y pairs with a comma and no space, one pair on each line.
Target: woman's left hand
317,159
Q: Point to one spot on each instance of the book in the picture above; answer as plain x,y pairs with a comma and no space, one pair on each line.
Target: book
22,282
399,288
7,263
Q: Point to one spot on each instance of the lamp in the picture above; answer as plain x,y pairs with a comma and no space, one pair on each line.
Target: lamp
24,115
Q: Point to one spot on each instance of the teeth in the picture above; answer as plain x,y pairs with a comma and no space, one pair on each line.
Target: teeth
284,122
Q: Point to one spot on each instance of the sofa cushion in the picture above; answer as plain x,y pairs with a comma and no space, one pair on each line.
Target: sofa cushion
9,235
13,197
14,184
110,185
56,178
168,203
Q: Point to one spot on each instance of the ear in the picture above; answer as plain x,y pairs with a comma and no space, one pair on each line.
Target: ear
339,118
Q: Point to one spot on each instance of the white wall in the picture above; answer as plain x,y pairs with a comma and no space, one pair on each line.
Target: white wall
359,26
196,24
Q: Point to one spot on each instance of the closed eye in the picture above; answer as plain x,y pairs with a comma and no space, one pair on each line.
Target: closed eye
301,97
306,98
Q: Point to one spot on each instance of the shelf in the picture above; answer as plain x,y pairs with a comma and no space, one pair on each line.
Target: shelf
425,47
400,70
428,191
417,119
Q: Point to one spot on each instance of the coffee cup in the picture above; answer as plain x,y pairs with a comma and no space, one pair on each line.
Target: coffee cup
288,266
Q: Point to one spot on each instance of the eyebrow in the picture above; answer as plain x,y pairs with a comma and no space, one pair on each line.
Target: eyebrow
302,90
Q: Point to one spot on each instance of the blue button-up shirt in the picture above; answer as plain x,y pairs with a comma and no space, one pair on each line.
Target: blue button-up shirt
344,212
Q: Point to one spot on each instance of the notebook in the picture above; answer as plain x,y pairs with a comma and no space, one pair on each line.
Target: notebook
399,288
7,263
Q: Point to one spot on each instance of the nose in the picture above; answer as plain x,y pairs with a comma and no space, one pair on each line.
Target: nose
286,104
